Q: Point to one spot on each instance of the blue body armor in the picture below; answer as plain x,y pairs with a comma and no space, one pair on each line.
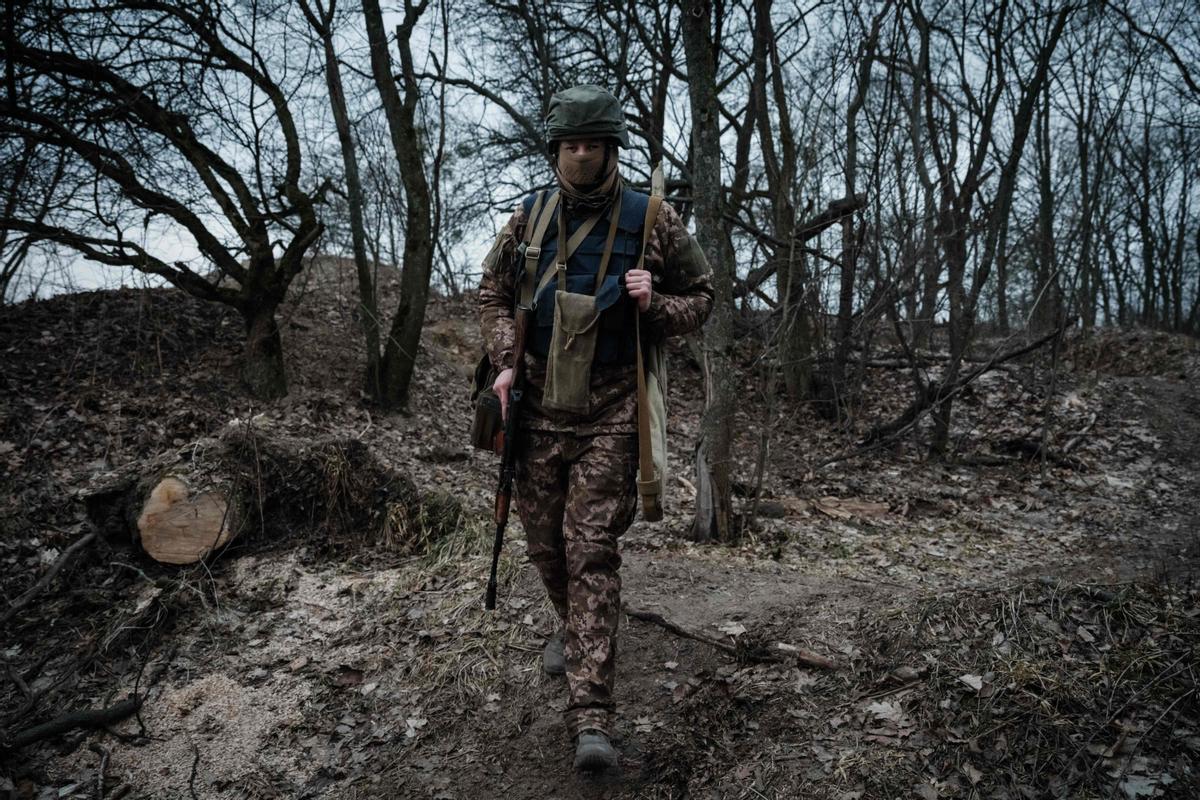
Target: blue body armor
615,343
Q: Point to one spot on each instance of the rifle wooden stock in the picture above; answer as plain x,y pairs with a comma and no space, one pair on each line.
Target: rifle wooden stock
508,455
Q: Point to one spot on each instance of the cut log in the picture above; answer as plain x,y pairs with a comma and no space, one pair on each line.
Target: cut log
186,504
177,527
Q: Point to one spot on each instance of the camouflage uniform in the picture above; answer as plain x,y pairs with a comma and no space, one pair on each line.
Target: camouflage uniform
576,489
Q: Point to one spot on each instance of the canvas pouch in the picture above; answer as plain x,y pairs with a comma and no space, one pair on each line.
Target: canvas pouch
572,347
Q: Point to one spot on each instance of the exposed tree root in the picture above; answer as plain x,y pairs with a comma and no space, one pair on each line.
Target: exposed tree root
92,718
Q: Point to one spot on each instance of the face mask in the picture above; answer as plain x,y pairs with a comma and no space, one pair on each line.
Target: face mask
581,169
585,171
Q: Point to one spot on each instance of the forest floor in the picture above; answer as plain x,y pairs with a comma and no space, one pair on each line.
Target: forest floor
1002,627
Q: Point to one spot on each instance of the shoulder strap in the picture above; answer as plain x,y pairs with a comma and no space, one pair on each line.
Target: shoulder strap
649,482
608,244
535,234
573,243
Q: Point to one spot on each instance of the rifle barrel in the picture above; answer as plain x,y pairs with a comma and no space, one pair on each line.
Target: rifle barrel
489,601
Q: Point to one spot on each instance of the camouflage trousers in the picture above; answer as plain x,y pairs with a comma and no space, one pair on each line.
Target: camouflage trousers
576,495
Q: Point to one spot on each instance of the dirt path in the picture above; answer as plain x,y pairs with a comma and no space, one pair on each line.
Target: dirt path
1171,530
307,680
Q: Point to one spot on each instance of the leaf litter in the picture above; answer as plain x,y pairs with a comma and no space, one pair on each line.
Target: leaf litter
285,669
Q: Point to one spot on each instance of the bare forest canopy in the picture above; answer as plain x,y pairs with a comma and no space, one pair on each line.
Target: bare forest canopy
855,170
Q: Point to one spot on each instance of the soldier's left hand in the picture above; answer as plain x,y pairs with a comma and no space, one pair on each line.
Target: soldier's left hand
638,284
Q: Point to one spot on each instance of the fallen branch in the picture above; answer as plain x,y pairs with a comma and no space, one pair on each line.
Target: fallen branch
33,591
1030,450
805,657
92,718
100,770
833,213
935,392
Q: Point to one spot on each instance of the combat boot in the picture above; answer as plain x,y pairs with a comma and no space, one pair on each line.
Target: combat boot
554,659
594,752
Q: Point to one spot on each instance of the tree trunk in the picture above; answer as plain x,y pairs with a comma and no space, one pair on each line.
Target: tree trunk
1002,322
179,526
1149,267
781,166
263,371
713,452
849,266
1047,305
404,339
796,341
322,22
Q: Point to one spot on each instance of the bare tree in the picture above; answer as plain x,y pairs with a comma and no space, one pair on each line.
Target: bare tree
176,115
400,349
31,177
322,19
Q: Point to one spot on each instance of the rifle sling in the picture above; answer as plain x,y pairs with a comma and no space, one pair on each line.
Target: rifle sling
649,482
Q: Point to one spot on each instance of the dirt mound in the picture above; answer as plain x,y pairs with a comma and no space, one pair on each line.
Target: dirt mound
1136,352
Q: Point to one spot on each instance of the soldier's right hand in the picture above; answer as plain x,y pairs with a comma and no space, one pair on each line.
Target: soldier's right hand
501,386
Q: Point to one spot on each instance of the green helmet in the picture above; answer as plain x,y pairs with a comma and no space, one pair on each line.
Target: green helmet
585,112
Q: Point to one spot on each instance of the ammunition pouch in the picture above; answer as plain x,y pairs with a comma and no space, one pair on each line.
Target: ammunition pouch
487,424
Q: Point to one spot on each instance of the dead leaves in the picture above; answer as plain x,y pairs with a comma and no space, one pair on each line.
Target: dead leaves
1035,676
834,507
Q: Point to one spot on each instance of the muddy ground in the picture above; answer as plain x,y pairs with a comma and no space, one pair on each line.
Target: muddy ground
1001,627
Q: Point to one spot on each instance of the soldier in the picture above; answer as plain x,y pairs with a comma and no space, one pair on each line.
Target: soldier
577,463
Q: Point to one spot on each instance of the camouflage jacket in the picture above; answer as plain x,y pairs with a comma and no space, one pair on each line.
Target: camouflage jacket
681,300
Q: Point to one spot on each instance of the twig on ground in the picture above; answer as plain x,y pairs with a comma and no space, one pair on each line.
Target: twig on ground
33,591
1078,437
805,657
100,751
18,681
195,764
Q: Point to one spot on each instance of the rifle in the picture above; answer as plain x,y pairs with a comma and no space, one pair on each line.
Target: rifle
508,449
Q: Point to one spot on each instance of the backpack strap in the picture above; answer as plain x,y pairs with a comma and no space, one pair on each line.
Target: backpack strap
564,252
649,482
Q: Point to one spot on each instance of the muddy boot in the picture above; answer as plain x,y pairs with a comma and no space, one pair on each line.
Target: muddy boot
554,661
593,752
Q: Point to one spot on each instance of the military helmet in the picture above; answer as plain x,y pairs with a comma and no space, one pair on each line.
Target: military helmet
585,112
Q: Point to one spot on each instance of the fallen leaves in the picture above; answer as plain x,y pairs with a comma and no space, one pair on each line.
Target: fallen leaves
833,507
973,681
346,677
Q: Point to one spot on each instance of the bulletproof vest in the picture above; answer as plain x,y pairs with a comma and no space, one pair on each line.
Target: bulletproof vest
617,343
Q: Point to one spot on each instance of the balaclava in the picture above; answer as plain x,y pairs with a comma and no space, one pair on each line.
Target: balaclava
590,180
